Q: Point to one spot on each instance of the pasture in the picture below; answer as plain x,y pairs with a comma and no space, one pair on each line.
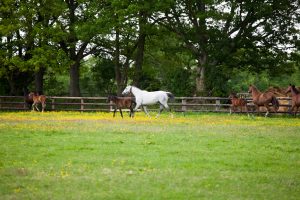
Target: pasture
73,155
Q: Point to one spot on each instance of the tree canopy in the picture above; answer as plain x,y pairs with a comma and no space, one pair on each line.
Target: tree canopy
190,47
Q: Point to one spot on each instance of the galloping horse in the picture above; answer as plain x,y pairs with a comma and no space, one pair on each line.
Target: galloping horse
237,103
37,99
144,98
295,98
263,99
122,102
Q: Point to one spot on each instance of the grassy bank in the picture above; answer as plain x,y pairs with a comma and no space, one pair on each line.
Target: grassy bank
70,155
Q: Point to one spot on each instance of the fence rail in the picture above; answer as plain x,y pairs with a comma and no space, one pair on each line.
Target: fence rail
180,104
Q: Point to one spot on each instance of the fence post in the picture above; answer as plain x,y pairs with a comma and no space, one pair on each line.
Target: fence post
81,104
183,107
218,104
52,106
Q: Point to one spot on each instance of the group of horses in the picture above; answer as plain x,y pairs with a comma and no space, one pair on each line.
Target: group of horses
265,99
137,98
141,98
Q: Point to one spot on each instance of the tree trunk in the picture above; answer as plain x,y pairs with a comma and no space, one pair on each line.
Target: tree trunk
74,80
139,60
117,62
200,84
140,50
12,87
200,74
39,80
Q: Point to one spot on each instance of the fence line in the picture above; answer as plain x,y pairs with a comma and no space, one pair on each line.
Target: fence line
181,104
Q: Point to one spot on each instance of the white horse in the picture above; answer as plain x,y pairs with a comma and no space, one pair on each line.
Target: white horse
143,98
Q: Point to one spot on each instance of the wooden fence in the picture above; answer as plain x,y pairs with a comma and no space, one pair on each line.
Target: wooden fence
180,104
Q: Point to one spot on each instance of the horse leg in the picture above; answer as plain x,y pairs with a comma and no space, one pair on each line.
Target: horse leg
36,106
168,109
43,106
161,108
291,109
166,106
33,105
145,110
246,109
131,114
137,106
121,112
268,110
131,108
230,110
233,109
115,111
295,113
241,109
256,107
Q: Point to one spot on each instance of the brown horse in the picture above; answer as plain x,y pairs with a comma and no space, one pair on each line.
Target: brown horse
27,99
122,102
295,98
263,99
237,102
37,99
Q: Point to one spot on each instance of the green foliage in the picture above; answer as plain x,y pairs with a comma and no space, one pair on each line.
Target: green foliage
179,82
241,79
98,77
55,85
242,42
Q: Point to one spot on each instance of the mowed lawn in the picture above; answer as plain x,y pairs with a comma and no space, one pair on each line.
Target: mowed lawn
73,155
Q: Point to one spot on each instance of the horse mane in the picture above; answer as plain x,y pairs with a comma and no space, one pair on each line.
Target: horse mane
135,87
295,89
112,97
233,94
255,88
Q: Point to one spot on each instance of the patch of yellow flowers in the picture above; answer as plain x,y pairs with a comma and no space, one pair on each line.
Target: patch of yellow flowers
47,119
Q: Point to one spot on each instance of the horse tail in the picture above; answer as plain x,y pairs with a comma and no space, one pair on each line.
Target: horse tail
275,103
171,96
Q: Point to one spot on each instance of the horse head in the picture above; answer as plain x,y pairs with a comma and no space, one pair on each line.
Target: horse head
250,89
289,89
295,89
111,98
292,89
31,95
232,95
127,90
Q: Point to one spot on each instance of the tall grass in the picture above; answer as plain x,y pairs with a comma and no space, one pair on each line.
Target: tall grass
70,155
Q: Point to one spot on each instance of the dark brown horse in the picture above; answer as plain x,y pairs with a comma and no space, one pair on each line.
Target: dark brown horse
37,99
27,99
295,98
237,102
122,102
263,99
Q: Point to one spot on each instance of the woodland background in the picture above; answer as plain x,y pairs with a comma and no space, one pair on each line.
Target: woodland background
188,47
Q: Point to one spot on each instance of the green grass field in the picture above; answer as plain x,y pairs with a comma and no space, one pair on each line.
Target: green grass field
72,155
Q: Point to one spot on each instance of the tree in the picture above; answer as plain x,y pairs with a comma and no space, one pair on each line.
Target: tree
76,25
215,30
27,51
